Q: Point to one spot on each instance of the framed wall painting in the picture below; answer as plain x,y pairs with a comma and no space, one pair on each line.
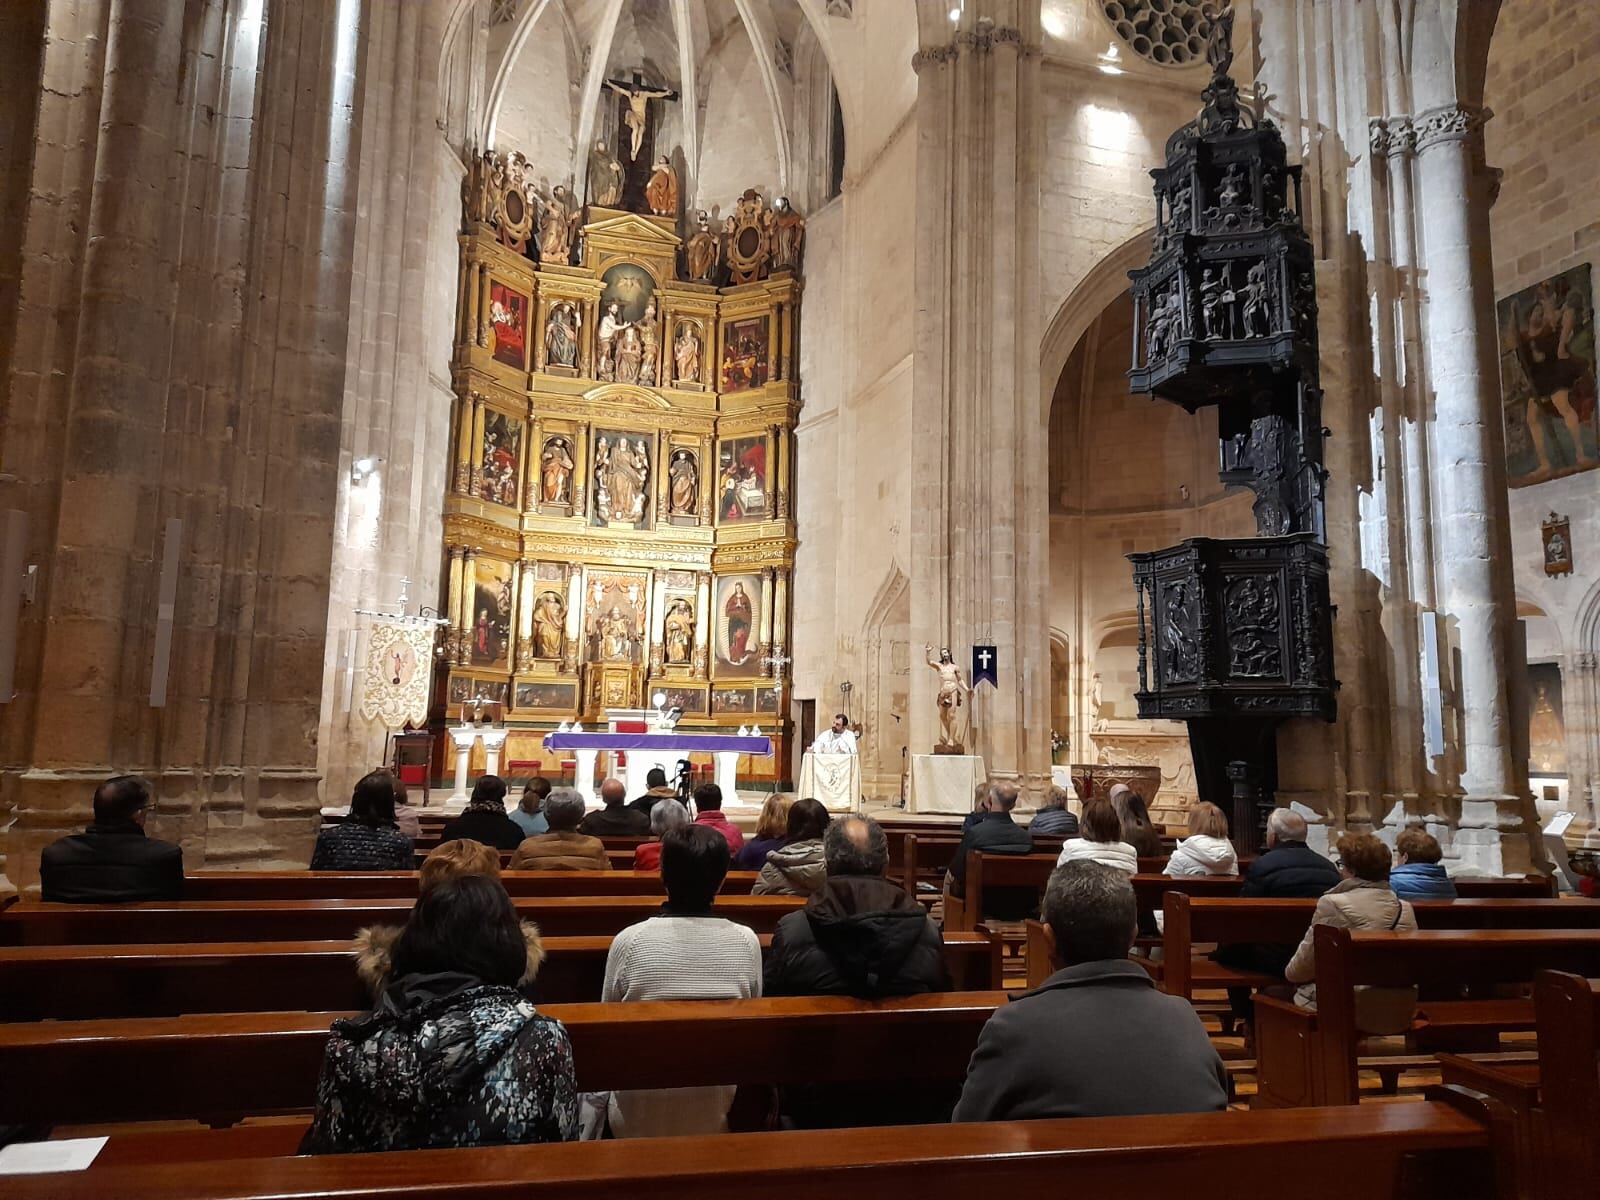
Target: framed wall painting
492,613
737,616
1547,378
746,353
743,485
508,325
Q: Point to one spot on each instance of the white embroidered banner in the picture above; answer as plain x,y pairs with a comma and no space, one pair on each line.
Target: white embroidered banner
399,662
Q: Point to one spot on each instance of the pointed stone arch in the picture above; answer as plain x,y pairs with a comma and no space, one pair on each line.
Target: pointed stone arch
886,653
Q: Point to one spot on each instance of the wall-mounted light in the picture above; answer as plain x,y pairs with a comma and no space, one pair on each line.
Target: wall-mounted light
1108,61
955,10
363,469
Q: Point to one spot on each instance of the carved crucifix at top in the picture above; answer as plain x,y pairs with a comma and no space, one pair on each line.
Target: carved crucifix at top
638,95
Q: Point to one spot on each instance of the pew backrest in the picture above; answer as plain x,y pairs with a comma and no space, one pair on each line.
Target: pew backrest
1567,1008
362,885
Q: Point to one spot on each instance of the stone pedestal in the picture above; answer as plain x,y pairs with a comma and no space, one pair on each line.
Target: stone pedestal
462,736
944,783
494,741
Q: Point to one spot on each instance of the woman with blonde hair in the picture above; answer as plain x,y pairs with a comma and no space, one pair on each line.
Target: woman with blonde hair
772,828
1207,850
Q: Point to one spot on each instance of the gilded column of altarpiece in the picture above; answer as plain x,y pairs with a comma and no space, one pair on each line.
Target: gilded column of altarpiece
619,521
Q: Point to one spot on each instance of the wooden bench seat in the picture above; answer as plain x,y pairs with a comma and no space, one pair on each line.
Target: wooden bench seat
320,920
98,982
220,1068
362,885
1423,1151
1310,1057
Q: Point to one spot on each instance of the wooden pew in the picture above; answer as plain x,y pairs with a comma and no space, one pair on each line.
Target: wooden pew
1568,1008
1423,1151
621,860
221,1068
101,982
1192,920
311,920
362,885
1308,1057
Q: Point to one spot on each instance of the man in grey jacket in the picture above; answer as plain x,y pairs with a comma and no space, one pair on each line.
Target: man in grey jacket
1096,1039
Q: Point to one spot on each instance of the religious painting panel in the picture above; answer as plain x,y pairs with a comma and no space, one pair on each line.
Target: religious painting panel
549,621
746,348
1555,532
501,458
1547,729
731,701
677,630
562,697
743,493
767,700
558,464
683,485
508,325
616,604
1547,378
691,700
688,354
628,338
492,614
737,614
622,477
467,690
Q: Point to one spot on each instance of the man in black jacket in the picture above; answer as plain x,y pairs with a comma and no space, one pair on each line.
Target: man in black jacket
862,936
484,818
112,860
995,833
617,818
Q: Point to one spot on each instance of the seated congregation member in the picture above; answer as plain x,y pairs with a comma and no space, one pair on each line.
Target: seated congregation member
772,833
708,812
1418,874
1207,850
1096,1039
980,806
374,946
1100,840
997,833
657,789
1138,830
798,868
563,848
1361,900
685,953
861,936
529,814
1055,819
452,1054
368,839
407,819
616,819
665,816
484,818
112,860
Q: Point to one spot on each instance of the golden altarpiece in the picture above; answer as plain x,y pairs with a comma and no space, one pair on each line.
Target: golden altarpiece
619,521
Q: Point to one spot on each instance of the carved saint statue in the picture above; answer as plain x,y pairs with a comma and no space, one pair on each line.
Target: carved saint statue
615,635
557,224
701,256
1211,289
561,336
622,473
610,324
952,696
684,478
650,345
638,95
555,472
678,632
1219,42
686,353
605,177
1257,317
629,353
549,619
787,233
662,190
738,617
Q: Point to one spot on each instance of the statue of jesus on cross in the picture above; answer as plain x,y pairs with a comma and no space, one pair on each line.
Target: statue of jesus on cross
638,94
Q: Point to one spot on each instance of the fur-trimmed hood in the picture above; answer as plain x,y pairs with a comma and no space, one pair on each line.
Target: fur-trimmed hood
375,944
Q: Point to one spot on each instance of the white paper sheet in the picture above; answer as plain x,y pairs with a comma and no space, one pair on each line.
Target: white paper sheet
35,1158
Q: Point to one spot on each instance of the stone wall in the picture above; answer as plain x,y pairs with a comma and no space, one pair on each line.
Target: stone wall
1545,139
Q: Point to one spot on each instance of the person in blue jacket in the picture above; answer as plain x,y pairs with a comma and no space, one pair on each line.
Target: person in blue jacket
1417,873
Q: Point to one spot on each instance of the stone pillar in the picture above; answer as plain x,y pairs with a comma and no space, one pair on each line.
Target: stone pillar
1474,571
702,625
469,615
1583,746
525,594
979,554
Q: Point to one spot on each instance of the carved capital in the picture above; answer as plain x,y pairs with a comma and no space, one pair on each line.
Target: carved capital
1450,123
1391,137
1585,661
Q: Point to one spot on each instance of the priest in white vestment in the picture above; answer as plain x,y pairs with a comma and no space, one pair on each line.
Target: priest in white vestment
840,739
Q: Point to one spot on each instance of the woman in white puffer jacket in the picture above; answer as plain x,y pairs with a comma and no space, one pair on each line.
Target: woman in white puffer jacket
1207,850
1100,840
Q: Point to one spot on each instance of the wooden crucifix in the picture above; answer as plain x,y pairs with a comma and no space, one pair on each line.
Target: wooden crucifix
638,95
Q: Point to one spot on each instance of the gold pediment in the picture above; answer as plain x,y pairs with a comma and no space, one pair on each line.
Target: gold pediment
626,394
644,235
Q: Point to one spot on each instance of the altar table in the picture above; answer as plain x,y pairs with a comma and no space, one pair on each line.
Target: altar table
663,749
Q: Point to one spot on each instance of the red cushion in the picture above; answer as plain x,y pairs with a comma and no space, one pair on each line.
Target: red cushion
414,773
632,727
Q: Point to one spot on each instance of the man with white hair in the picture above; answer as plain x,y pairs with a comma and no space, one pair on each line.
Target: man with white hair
997,833
563,848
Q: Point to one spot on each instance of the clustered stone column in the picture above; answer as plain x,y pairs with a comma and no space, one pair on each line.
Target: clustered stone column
186,258
979,566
